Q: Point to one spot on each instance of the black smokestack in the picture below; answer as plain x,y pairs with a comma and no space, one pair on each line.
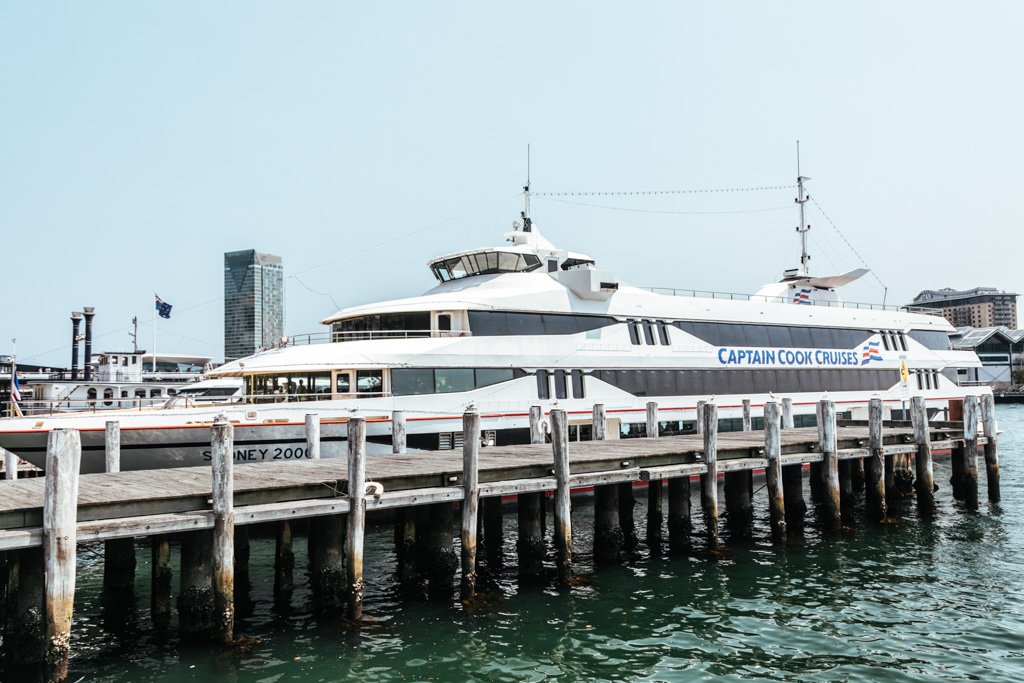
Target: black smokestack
88,312
76,320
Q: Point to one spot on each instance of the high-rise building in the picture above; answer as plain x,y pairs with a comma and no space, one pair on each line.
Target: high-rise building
978,307
253,302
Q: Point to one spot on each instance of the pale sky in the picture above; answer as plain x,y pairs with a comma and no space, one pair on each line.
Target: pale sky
140,141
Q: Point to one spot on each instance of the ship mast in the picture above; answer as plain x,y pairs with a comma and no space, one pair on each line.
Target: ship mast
803,228
527,222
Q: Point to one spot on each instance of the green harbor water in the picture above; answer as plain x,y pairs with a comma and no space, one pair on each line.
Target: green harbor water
922,599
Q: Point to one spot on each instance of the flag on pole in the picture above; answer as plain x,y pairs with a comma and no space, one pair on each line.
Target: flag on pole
15,389
163,308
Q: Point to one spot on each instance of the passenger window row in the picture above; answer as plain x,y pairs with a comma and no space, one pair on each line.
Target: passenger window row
648,332
563,380
745,382
780,336
894,341
927,379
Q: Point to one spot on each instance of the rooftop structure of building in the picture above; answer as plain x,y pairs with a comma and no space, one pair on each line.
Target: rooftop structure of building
981,307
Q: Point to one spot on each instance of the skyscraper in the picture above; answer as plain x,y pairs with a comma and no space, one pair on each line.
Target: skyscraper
253,302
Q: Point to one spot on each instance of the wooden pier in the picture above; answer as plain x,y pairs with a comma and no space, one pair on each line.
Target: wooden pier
210,509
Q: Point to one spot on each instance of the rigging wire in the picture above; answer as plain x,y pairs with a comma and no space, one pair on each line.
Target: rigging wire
848,244
675,213
640,193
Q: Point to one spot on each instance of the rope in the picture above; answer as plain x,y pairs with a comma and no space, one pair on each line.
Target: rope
642,193
676,213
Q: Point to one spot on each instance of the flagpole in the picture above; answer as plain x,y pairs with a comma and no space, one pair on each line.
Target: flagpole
153,355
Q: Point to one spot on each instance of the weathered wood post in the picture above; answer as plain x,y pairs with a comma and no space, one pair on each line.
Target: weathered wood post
536,425
654,488
356,514
118,554
608,534
792,479
10,465
563,516
832,511
739,486
284,563
441,559
160,580
846,501
598,422
470,499
700,416
773,470
24,626
313,436
991,431
60,535
969,481
494,531
398,439
925,482
222,447
326,545
195,596
874,469
748,421
709,480
680,524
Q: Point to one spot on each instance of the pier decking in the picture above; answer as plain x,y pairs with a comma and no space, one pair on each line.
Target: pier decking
64,508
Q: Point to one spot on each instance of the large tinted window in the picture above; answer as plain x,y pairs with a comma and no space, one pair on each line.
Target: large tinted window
745,382
412,381
449,380
501,323
931,339
736,334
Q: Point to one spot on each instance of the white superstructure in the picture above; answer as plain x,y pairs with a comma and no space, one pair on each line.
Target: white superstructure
530,324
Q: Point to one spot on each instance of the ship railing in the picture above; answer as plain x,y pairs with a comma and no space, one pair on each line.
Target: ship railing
360,335
736,296
41,407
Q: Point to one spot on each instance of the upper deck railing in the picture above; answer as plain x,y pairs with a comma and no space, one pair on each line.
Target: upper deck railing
735,296
359,335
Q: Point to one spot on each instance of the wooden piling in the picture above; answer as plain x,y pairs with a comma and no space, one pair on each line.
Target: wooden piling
739,505
60,533
652,419
627,521
536,425
284,563
160,580
356,514
969,453
441,560
599,423
494,532
112,445
563,518
530,544
195,597
398,438
680,524
991,431
831,508
327,562
313,436
773,470
10,465
874,467
700,416
925,481
25,627
222,447
748,421
608,533
787,413
709,480
846,499
118,554
470,499
792,480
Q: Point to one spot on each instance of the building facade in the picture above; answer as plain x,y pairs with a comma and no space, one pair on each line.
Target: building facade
253,302
978,307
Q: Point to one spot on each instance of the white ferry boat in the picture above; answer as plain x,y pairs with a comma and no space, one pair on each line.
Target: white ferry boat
526,324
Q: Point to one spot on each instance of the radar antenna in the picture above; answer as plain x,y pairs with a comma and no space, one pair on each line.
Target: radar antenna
803,228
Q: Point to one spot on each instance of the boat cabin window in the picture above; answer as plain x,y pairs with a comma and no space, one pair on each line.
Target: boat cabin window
483,263
936,340
370,382
543,387
792,336
509,323
444,322
281,388
415,381
575,263
342,383
383,326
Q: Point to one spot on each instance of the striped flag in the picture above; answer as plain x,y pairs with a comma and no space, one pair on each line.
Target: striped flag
15,389
802,297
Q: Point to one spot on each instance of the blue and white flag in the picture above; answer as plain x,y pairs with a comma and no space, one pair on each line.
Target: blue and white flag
15,389
163,308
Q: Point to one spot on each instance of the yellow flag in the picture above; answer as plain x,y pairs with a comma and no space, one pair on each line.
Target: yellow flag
903,371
